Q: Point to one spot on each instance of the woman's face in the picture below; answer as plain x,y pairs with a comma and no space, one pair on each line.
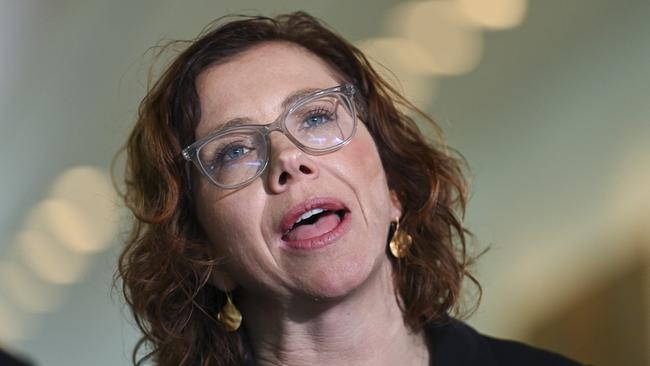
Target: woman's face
335,251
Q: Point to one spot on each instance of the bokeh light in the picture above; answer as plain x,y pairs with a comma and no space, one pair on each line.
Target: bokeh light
90,207
453,42
66,223
26,290
50,260
494,14
405,65
12,328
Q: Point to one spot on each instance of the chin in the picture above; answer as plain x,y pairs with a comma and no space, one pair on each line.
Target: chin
332,282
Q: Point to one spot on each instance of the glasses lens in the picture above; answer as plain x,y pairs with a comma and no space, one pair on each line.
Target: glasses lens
322,123
234,158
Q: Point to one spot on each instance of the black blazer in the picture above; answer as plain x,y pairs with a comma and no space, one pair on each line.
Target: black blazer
453,343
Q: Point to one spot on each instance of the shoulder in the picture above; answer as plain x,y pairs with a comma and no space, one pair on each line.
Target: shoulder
455,343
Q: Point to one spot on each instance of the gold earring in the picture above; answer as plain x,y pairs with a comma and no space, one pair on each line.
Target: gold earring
229,316
400,242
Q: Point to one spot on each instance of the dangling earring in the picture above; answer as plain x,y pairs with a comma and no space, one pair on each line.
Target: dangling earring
400,242
229,316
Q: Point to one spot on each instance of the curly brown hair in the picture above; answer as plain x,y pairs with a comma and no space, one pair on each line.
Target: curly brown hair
166,263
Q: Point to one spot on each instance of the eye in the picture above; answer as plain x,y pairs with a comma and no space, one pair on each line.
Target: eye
229,155
316,118
232,152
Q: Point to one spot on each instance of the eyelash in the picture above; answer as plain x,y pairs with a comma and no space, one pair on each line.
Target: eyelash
220,155
317,112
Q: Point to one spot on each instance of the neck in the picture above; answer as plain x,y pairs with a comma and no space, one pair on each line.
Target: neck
365,327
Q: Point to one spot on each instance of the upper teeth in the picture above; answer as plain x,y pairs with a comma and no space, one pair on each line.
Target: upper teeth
309,214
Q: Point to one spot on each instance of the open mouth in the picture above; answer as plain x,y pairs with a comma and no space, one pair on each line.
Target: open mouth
314,223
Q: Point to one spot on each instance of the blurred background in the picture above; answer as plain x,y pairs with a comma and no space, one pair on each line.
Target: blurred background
548,100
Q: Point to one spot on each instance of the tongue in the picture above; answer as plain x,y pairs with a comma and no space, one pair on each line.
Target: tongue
325,223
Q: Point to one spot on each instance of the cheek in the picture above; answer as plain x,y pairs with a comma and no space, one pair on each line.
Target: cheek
366,161
224,222
369,177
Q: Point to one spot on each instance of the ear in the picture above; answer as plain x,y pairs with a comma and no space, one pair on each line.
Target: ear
222,280
395,206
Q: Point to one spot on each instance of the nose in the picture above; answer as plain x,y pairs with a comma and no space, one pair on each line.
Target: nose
288,164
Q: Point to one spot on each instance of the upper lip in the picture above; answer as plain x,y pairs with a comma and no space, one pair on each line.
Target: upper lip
292,215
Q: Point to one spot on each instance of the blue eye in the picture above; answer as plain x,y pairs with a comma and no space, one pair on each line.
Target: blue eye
234,152
317,118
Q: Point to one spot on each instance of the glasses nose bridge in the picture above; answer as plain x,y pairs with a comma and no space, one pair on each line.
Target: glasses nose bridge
279,126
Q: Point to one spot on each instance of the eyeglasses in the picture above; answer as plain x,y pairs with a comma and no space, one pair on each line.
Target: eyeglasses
318,123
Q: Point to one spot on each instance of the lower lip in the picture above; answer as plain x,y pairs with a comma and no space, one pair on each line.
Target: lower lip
321,241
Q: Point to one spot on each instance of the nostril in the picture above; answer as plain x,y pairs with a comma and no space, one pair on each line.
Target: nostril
283,178
295,172
305,169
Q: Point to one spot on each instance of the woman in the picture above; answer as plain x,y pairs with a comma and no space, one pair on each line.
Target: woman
289,213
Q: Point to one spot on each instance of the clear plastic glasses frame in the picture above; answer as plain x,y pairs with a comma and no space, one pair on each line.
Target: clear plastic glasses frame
259,136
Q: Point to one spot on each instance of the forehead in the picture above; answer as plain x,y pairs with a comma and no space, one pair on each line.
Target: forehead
253,84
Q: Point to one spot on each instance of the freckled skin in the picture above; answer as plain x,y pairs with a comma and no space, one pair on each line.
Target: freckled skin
244,224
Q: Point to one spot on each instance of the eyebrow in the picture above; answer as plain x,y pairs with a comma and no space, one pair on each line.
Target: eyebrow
286,103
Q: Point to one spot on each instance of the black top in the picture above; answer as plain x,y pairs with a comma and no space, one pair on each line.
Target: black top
9,360
454,343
